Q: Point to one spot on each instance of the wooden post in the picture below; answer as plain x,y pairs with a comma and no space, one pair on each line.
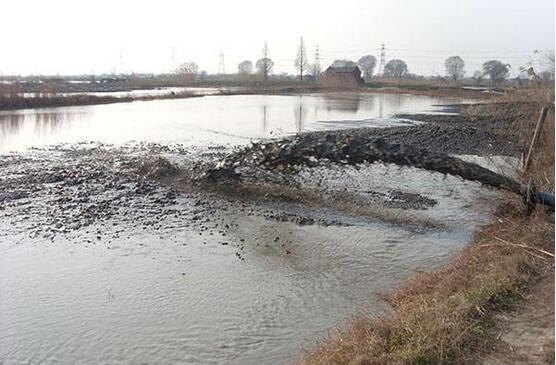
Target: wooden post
535,140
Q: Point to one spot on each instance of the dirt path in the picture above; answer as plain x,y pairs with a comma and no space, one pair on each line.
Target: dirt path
527,335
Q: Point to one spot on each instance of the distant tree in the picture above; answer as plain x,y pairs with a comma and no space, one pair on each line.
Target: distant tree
496,71
301,61
477,76
395,68
265,64
188,68
455,67
343,63
315,70
367,65
264,67
245,67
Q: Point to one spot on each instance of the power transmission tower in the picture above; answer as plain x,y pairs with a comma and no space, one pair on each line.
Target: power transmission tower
316,66
221,66
382,59
265,62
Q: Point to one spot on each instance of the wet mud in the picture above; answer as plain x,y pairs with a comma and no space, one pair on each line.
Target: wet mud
65,188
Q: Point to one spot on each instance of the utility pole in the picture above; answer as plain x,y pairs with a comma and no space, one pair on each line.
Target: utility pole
221,66
382,59
173,59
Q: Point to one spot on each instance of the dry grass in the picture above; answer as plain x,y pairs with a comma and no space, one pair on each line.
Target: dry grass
516,113
541,171
448,316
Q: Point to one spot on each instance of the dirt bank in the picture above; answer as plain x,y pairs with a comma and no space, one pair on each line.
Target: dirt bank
476,129
15,102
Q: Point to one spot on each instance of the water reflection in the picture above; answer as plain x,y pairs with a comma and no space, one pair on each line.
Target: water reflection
396,101
265,120
300,117
349,102
51,123
206,120
37,125
10,125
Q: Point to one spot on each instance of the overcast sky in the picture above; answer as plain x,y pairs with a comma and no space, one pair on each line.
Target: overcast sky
69,36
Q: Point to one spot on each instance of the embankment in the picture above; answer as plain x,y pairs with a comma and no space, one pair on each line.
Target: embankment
15,102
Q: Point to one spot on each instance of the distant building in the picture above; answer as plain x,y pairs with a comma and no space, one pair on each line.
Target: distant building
347,77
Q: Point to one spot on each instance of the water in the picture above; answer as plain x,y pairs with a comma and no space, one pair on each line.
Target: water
205,120
101,266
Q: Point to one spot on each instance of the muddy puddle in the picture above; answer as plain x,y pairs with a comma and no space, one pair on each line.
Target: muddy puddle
108,254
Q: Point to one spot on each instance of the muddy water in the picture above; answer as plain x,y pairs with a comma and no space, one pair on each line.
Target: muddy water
205,120
99,263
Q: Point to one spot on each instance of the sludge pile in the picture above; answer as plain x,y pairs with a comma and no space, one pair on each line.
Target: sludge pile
314,149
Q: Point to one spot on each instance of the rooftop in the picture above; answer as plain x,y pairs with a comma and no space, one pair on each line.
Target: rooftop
344,69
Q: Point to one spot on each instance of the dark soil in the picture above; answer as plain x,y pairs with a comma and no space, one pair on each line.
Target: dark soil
453,134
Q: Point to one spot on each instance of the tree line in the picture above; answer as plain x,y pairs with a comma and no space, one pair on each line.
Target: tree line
495,70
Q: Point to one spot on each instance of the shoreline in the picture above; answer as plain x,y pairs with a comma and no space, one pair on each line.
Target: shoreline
54,100
80,100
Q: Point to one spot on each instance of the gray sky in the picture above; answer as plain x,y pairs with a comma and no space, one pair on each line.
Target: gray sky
68,36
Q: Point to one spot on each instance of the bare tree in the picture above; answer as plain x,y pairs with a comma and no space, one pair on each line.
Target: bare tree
455,67
245,67
265,64
315,70
301,61
188,68
367,65
395,68
343,63
496,70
